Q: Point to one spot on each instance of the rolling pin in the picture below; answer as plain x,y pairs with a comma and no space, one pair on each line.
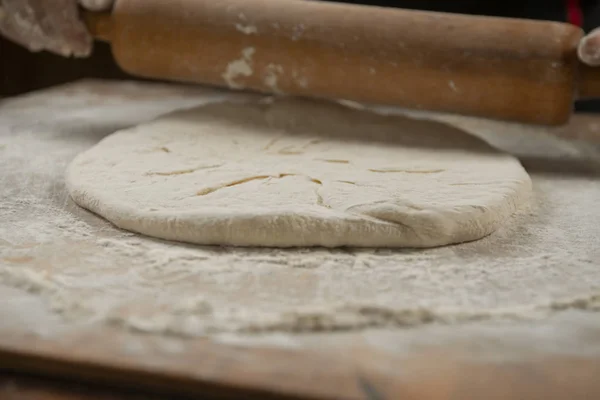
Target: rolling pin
499,68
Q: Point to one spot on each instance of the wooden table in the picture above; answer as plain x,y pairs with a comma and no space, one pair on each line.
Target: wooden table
552,358
211,369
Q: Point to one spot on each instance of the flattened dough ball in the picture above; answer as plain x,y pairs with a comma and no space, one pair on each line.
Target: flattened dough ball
299,173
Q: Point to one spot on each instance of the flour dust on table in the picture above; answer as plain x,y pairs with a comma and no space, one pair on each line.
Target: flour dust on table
285,173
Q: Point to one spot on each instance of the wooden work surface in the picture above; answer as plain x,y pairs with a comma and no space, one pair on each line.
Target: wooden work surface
554,357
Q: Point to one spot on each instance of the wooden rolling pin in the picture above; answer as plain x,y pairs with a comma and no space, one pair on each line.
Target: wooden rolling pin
509,69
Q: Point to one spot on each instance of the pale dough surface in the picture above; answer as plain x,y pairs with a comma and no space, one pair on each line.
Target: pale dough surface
299,173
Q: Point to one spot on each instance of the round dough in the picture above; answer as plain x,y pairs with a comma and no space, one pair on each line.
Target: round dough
292,172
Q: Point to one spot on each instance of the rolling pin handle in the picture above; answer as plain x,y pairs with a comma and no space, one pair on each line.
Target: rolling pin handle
99,25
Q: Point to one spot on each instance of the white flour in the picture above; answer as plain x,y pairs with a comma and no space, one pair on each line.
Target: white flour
239,68
86,270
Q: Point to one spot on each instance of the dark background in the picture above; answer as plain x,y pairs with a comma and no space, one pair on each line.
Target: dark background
21,71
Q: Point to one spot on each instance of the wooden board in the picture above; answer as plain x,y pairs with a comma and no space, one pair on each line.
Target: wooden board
214,369
548,359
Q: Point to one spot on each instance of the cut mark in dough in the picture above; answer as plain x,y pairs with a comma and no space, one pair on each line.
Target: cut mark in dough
290,152
474,183
311,142
18,260
404,203
159,149
271,143
206,191
406,171
291,149
183,171
320,201
335,161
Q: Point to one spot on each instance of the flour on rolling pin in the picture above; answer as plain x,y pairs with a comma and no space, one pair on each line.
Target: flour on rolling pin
300,79
244,27
298,31
238,68
243,67
271,77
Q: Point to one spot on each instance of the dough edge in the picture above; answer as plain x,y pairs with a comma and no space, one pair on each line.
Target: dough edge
205,227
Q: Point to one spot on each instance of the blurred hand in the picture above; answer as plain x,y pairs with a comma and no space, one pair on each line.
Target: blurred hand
52,25
589,48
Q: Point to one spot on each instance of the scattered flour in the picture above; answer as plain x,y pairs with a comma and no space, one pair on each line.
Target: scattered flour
238,68
272,77
246,29
543,262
